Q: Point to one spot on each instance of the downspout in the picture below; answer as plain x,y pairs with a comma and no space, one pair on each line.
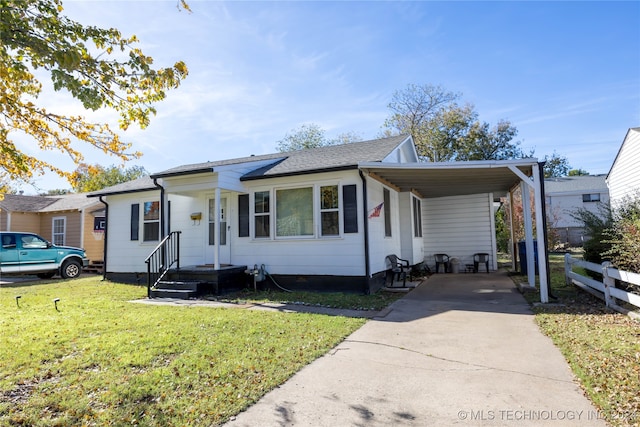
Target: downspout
367,267
104,247
162,213
544,223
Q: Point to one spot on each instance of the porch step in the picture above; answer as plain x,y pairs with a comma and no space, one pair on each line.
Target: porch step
182,289
94,267
173,293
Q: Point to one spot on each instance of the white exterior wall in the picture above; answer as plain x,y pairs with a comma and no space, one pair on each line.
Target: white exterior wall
560,207
379,245
340,255
459,226
624,178
123,254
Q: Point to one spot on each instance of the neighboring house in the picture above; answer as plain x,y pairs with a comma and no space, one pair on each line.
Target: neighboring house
565,196
321,218
624,177
72,220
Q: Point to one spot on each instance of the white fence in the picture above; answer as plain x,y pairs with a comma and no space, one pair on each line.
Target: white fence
607,288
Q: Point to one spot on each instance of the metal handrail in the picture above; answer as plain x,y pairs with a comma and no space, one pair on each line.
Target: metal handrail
163,257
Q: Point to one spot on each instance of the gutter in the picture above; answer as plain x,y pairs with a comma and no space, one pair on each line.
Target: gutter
367,260
104,248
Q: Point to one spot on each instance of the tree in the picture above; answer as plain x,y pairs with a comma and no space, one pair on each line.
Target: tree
442,130
312,136
555,166
98,67
578,172
95,177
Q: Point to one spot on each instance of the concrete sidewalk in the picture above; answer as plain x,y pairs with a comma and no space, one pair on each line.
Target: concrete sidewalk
458,350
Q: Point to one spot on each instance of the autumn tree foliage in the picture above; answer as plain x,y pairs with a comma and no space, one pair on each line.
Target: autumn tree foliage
99,67
88,178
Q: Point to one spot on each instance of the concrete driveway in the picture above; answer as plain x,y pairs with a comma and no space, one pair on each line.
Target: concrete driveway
458,350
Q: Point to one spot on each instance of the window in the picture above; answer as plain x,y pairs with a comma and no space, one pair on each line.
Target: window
294,212
212,222
591,197
262,214
417,217
329,211
58,228
387,212
151,222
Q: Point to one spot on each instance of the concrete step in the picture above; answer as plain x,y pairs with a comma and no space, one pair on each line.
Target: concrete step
174,293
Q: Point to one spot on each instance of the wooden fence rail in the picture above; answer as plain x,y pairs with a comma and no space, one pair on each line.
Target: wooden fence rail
605,289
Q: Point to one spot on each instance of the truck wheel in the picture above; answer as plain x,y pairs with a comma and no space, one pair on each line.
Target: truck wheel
70,269
46,275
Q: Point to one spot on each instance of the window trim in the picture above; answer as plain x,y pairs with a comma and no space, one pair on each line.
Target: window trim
317,211
416,210
143,221
64,230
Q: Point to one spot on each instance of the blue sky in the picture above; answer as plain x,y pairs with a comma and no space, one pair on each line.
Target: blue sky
565,74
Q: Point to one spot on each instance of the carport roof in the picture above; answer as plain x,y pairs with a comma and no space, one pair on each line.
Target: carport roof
452,178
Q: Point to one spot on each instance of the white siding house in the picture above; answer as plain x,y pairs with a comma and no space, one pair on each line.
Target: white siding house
624,177
323,218
565,196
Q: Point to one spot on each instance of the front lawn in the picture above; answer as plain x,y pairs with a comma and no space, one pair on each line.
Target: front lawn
99,359
602,346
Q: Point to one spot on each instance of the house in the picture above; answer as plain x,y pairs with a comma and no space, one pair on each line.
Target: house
565,196
322,218
71,220
624,177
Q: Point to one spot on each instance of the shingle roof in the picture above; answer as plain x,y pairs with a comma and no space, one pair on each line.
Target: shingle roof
290,163
583,183
67,202
140,184
302,161
20,203
329,158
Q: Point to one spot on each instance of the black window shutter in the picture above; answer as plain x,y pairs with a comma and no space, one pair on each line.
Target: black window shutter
350,203
135,221
387,212
243,215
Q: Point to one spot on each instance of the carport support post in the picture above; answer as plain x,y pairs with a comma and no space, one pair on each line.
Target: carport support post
541,235
528,233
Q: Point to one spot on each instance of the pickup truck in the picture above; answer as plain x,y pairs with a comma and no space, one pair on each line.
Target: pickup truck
27,253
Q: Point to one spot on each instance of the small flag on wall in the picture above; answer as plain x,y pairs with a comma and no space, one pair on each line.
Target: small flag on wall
376,211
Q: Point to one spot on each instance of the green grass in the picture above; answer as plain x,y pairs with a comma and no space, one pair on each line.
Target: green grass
101,360
376,301
601,346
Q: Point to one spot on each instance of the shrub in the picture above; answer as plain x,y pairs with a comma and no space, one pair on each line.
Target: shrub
596,225
623,237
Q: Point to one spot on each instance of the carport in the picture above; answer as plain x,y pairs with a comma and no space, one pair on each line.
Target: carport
500,177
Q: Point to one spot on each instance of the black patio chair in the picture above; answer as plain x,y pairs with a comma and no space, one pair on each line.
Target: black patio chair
442,259
480,258
398,268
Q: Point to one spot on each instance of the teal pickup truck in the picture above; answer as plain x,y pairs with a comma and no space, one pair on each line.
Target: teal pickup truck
28,253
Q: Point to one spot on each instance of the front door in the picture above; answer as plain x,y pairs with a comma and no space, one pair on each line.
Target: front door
222,228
